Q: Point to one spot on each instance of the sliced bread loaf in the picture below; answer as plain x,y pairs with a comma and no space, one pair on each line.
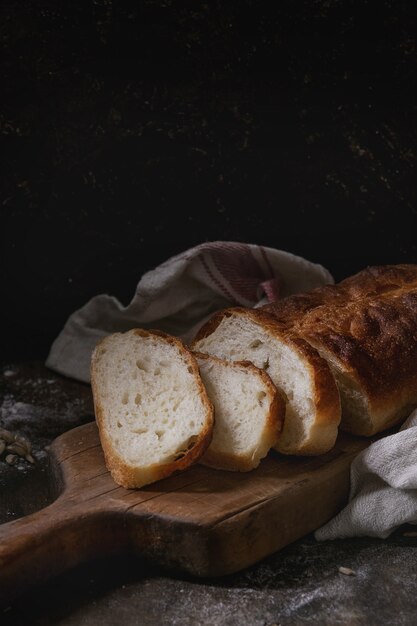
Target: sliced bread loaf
249,413
366,328
152,409
312,399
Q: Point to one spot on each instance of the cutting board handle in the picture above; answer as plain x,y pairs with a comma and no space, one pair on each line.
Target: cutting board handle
54,539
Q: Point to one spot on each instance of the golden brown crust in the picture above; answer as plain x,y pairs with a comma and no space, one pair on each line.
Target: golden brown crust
271,432
379,279
366,325
132,477
375,342
371,281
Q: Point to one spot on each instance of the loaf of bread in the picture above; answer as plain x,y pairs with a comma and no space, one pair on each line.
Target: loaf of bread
365,327
152,409
249,413
312,400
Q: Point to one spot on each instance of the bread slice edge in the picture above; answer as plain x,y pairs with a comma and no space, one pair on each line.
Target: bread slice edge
273,425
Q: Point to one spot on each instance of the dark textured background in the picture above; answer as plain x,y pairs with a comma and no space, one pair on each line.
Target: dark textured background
133,130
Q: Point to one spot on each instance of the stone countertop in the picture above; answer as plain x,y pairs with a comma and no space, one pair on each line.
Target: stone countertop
300,584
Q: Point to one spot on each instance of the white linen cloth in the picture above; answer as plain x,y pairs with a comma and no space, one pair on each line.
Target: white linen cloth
383,488
181,293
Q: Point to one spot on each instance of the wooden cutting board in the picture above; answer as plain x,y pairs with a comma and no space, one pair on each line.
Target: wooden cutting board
202,521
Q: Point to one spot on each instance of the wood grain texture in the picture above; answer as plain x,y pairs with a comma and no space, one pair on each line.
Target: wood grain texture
202,521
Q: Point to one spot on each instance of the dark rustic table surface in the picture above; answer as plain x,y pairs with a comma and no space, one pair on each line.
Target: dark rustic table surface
131,131
300,584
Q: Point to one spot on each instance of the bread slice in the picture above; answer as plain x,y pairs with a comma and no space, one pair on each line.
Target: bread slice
312,400
152,409
366,329
249,413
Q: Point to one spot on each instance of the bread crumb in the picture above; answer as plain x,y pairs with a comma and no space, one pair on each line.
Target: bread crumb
347,571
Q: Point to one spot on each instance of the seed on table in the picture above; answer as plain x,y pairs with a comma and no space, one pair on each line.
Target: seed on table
11,459
347,571
23,441
6,435
17,448
2,446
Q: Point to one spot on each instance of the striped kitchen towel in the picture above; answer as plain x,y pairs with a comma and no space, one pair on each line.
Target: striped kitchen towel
181,293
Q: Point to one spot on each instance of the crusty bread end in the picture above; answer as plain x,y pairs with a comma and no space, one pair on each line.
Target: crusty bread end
152,410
